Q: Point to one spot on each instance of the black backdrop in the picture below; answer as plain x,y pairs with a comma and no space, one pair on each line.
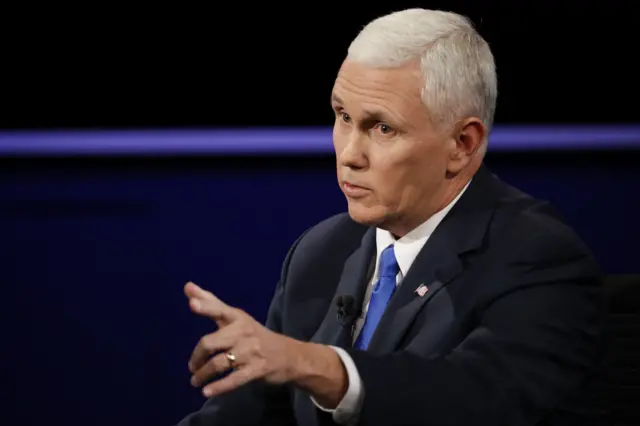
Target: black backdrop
94,251
272,64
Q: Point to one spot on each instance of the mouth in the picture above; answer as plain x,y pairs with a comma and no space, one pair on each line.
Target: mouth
354,191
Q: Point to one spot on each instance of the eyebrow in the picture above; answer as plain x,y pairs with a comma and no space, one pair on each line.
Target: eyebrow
370,115
336,98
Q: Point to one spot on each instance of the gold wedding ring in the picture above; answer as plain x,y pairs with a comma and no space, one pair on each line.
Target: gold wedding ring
232,360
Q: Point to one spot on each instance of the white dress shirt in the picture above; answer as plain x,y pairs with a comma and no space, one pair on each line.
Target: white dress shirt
406,250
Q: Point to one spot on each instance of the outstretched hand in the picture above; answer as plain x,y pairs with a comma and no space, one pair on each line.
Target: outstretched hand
240,343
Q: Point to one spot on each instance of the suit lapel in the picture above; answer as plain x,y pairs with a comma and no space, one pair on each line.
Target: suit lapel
435,266
352,283
439,261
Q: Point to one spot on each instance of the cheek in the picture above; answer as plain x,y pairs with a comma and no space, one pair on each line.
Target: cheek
338,144
399,182
388,179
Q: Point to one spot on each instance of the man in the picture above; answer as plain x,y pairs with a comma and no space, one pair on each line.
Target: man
479,306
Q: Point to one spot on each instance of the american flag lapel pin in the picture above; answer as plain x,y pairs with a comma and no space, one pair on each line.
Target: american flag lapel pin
422,290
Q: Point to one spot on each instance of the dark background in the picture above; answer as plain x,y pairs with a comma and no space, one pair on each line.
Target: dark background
273,64
94,251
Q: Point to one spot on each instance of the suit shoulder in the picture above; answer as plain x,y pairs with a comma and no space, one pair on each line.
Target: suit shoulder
320,253
337,220
533,227
338,229
327,242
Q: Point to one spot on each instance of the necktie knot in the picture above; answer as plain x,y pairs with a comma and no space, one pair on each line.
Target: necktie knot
389,267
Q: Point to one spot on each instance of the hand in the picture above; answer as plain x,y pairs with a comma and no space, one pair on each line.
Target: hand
260,353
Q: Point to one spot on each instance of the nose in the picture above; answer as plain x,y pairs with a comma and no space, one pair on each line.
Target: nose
353,154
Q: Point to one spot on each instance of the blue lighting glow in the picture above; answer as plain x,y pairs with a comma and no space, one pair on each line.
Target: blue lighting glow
286,141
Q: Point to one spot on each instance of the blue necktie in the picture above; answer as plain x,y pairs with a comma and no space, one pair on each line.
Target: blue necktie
380,296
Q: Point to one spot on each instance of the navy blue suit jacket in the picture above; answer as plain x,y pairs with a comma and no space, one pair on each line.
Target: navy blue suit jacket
507,334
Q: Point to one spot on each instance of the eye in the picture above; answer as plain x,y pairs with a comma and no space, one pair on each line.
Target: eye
345,117
385,129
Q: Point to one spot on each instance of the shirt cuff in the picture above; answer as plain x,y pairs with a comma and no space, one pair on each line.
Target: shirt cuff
348,410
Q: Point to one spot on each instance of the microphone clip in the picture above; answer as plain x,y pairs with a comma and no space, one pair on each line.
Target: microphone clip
347,310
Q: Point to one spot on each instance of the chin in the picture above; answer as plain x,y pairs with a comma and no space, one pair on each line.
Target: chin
370,216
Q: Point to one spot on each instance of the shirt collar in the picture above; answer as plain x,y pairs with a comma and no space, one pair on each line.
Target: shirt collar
407,248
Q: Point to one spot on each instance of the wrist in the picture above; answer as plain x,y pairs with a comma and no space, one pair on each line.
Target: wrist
319,371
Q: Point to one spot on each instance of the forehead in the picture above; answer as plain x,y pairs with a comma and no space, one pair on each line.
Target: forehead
397,88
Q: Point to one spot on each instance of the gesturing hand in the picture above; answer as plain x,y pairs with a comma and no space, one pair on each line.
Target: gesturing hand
241,343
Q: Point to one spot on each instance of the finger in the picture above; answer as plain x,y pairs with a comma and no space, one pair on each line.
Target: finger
221,340
244,351
198,297
193,290
232,381
215,366
214,309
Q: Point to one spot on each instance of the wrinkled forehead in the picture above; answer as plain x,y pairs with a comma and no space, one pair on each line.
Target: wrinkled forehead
396,88
407,77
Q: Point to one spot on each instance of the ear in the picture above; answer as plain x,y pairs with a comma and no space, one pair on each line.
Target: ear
467,140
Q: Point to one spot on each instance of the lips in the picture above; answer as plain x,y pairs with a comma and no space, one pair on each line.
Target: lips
353,190
354,185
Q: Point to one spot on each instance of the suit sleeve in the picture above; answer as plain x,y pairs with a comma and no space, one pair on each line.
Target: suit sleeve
536,341
255,404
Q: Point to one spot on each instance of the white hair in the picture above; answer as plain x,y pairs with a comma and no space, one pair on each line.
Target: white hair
456,62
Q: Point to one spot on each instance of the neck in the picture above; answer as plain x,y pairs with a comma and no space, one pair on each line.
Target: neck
443,198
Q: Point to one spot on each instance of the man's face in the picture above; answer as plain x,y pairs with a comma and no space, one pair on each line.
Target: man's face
391,161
